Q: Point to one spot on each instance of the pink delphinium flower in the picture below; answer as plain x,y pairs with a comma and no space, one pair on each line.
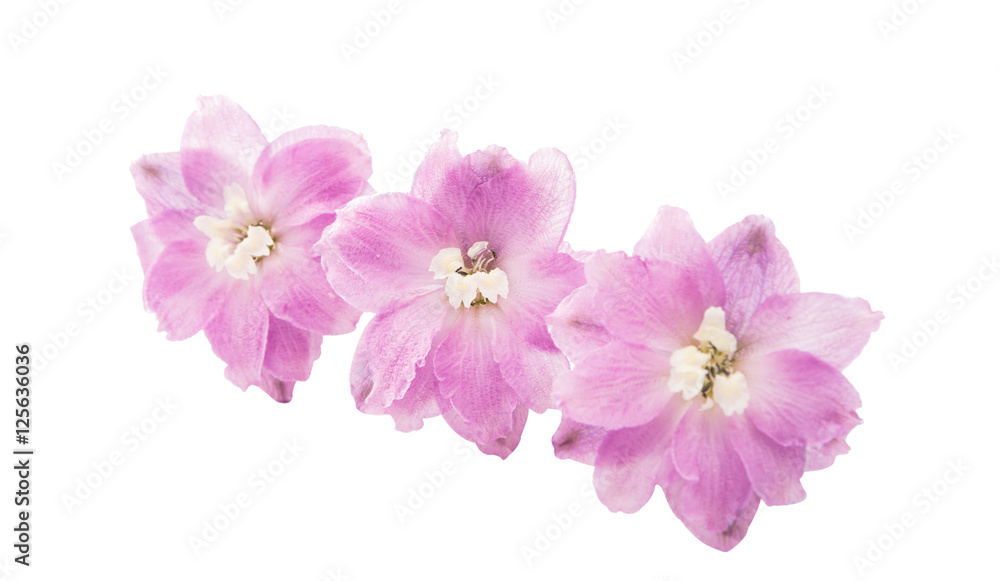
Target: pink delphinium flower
228,245
701,368
460,274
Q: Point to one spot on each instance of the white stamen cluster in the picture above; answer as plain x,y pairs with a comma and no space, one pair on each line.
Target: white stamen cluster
707,370
234,242
473,286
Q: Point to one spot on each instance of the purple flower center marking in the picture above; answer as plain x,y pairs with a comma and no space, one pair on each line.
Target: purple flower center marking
707,370
472,286
238,241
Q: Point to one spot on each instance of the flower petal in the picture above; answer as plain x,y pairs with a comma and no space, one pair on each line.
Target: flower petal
160,182
577,441
523,210
716,487
220,145
722,540
536,289
152,236
238,333
506,444
290,351
831,327
471,379
774,470
655,304
295,289
575,325
420,401
445,180
820,456
617,386
528,369
378,252
631,462
183,291
755,265
797,399
672,237
307,172
279,389
398,342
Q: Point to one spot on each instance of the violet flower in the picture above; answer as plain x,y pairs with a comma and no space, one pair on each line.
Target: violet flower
228,245
460,274
701,368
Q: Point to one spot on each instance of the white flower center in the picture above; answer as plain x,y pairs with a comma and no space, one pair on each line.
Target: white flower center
473,286
707,370
236,242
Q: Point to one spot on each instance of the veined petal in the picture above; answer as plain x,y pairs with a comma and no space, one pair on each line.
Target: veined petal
672,237
577,441
307,172
723,540
528,369
523,210
797,399
290,351
471,379
377,253
158,178
774,470
716,487
238,333
295,289
831,327
152,236
754,265
445,180
183,291
575,325
657,305
535,290
398,342
617,386
420,401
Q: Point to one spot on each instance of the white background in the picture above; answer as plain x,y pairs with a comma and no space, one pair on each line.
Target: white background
332,512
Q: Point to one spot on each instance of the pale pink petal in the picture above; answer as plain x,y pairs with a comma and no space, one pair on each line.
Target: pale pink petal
754,265
661,308
797,399
379,250
307,172
420,402
523,210
716,486
183,291
723,540
295,289
445,180
632,461
158,178
238,333
774,470
831,327
575,325
398,342
290,351
152,236
617,386
536,288
506,444
471,379
528,369
576,441
671,237
820,456
279,390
